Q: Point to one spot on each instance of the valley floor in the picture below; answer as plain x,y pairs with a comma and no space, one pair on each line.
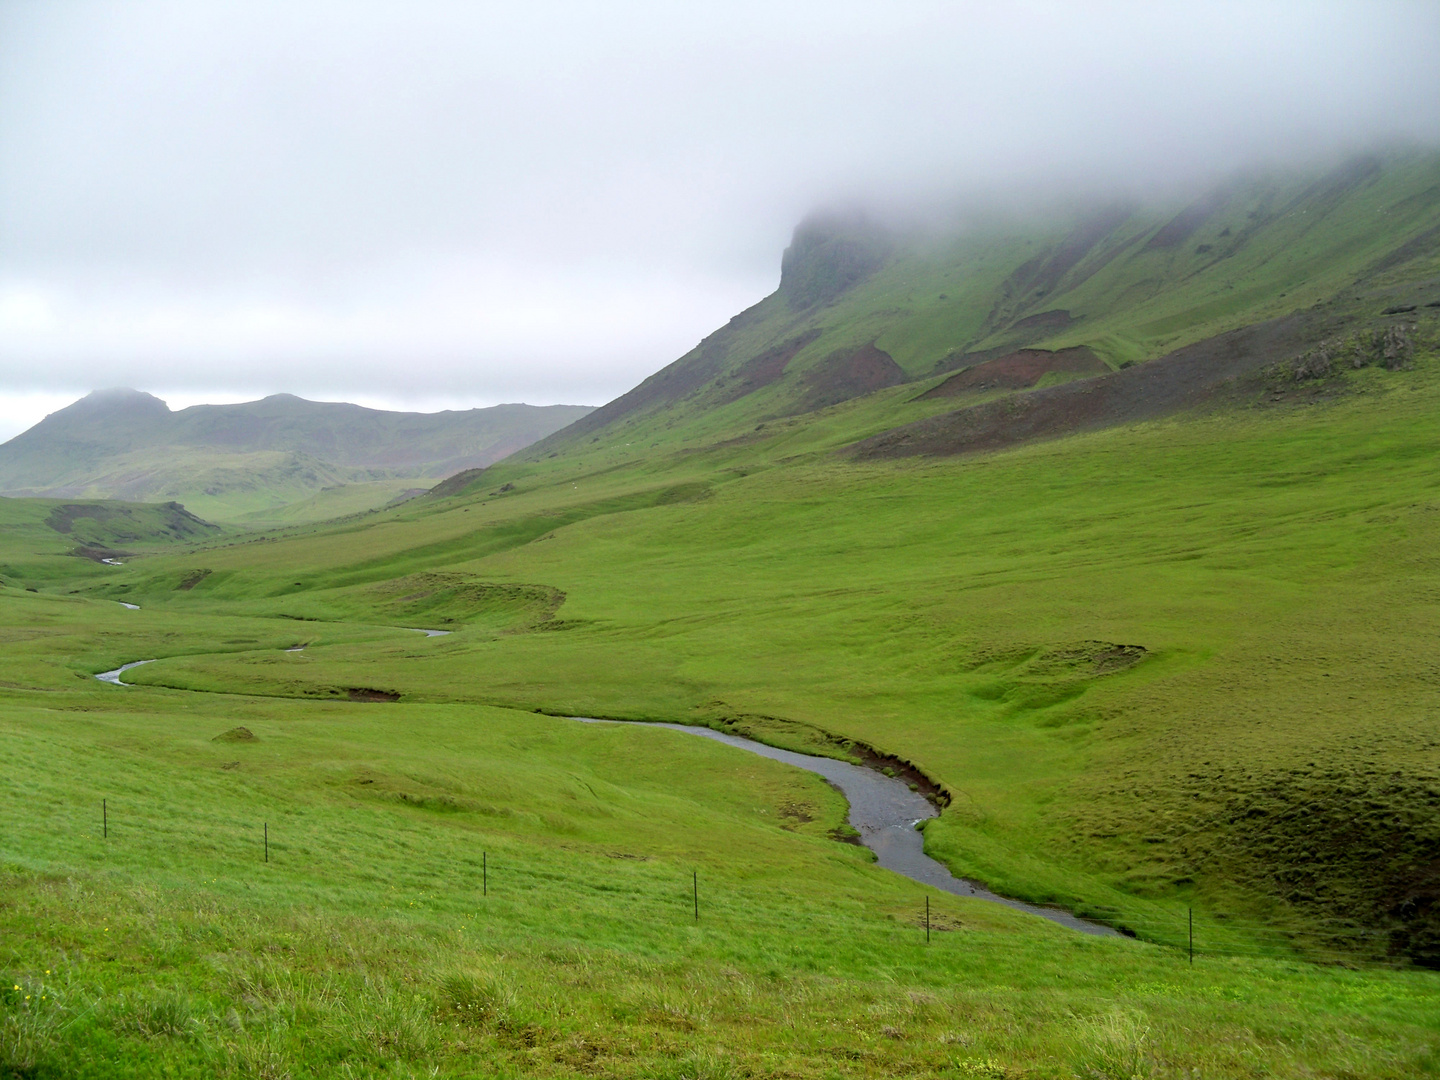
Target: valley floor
1186,665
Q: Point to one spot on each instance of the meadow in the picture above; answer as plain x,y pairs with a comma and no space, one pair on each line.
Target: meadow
471,891
461,883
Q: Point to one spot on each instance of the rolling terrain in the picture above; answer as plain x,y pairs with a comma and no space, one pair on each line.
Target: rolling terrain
280,459
1147,592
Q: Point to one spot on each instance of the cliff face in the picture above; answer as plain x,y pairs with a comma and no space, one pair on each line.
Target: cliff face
830,254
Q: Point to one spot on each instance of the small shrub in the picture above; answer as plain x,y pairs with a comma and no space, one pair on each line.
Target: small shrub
1116,1047
167,1015
981,1069
697,1065
482,1000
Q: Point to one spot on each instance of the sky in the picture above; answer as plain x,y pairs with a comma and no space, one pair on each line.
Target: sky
427,205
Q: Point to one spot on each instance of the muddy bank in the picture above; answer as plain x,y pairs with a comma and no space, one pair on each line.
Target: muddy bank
884,810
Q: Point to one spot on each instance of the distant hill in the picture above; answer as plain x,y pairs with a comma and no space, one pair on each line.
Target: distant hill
282,458
881,329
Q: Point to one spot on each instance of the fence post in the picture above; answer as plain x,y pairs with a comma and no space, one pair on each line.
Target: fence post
1192,936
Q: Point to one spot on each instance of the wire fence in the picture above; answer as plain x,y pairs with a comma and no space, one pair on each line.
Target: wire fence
1198,935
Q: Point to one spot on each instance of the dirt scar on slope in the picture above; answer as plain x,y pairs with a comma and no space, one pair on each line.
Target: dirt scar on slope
885,812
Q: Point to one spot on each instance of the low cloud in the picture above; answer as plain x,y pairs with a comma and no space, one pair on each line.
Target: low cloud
471,203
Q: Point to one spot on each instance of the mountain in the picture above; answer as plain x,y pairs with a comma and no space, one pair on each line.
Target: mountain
1165,305
282,458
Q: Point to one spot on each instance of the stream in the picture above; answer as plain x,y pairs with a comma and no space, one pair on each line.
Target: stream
882,809
885,812
113,677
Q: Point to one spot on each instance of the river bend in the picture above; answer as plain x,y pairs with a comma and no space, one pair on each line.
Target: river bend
885,812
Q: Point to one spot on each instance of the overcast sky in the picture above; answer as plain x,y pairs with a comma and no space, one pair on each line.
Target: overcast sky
430,205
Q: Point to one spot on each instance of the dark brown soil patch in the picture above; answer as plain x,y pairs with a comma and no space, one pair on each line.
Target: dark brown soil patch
1018,370
236,734
901,769
361,693
761,370
1118,658
1185,379
100,554
799,813
192,578
1057,319
846,374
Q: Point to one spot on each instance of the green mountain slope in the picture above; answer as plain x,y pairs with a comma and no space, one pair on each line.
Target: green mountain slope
865,314
282,457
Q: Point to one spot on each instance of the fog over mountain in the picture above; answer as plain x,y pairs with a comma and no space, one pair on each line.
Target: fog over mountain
439,205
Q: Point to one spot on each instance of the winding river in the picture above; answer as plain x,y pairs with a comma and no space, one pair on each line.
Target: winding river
883,810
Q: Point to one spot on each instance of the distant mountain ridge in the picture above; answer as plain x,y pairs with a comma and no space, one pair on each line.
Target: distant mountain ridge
259,458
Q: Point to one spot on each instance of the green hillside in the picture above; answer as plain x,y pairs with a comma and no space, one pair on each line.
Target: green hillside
1148,594
280,459
863,314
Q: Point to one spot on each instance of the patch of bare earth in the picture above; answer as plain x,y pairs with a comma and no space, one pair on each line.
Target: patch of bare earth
1018,370
1185,379
846,374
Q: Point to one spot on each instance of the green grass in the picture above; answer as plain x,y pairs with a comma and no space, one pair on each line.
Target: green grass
367,946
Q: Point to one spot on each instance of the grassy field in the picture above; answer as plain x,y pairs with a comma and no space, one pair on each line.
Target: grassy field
471,891
1273,563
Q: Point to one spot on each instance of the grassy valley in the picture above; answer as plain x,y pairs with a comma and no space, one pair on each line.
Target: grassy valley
1147,591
